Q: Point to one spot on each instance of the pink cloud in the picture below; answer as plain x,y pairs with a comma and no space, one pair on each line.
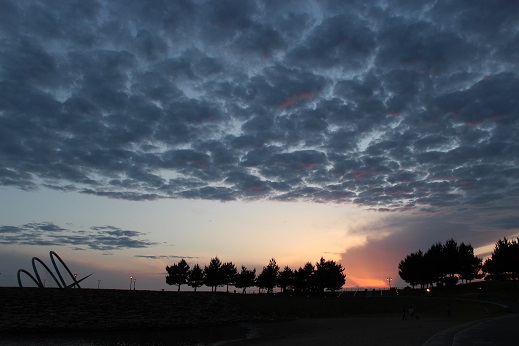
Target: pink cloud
296,98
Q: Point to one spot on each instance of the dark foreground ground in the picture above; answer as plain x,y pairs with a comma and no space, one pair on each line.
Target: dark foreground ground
249,319
28,309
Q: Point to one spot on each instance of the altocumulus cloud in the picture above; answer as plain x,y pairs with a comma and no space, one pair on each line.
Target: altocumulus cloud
104,238
165,257
394,107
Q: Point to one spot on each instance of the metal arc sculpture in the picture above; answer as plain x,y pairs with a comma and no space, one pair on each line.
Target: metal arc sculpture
61,283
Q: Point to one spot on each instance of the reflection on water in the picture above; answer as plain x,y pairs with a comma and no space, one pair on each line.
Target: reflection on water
176,337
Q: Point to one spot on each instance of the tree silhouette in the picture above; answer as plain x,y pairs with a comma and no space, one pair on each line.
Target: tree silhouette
470,265
303,278
442,264
328,275
504,261
268,277
177,273
286,279
213,274
196,277
229,273
410,269
325,275
434,265
246,278
450,262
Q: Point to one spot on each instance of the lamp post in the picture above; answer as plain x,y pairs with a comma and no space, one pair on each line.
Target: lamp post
131,279
389,279
98,283
134,283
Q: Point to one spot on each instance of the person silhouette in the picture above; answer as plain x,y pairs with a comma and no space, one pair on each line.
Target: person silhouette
411,313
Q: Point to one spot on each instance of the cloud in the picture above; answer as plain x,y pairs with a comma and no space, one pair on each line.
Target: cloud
104,238
165,257
391,238
400,108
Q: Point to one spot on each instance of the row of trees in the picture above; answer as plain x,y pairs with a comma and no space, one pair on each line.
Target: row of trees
324,275
442,264
445,264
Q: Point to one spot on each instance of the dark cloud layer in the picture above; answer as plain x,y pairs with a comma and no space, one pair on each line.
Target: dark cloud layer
401,106
104,238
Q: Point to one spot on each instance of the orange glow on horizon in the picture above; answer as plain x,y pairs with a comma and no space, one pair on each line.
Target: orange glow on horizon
356,281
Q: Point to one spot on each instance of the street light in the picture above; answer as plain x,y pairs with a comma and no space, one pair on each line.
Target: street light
134,284
389,279
98,283
131,279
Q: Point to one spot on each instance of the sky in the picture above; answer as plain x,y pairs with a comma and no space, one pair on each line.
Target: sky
137,133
